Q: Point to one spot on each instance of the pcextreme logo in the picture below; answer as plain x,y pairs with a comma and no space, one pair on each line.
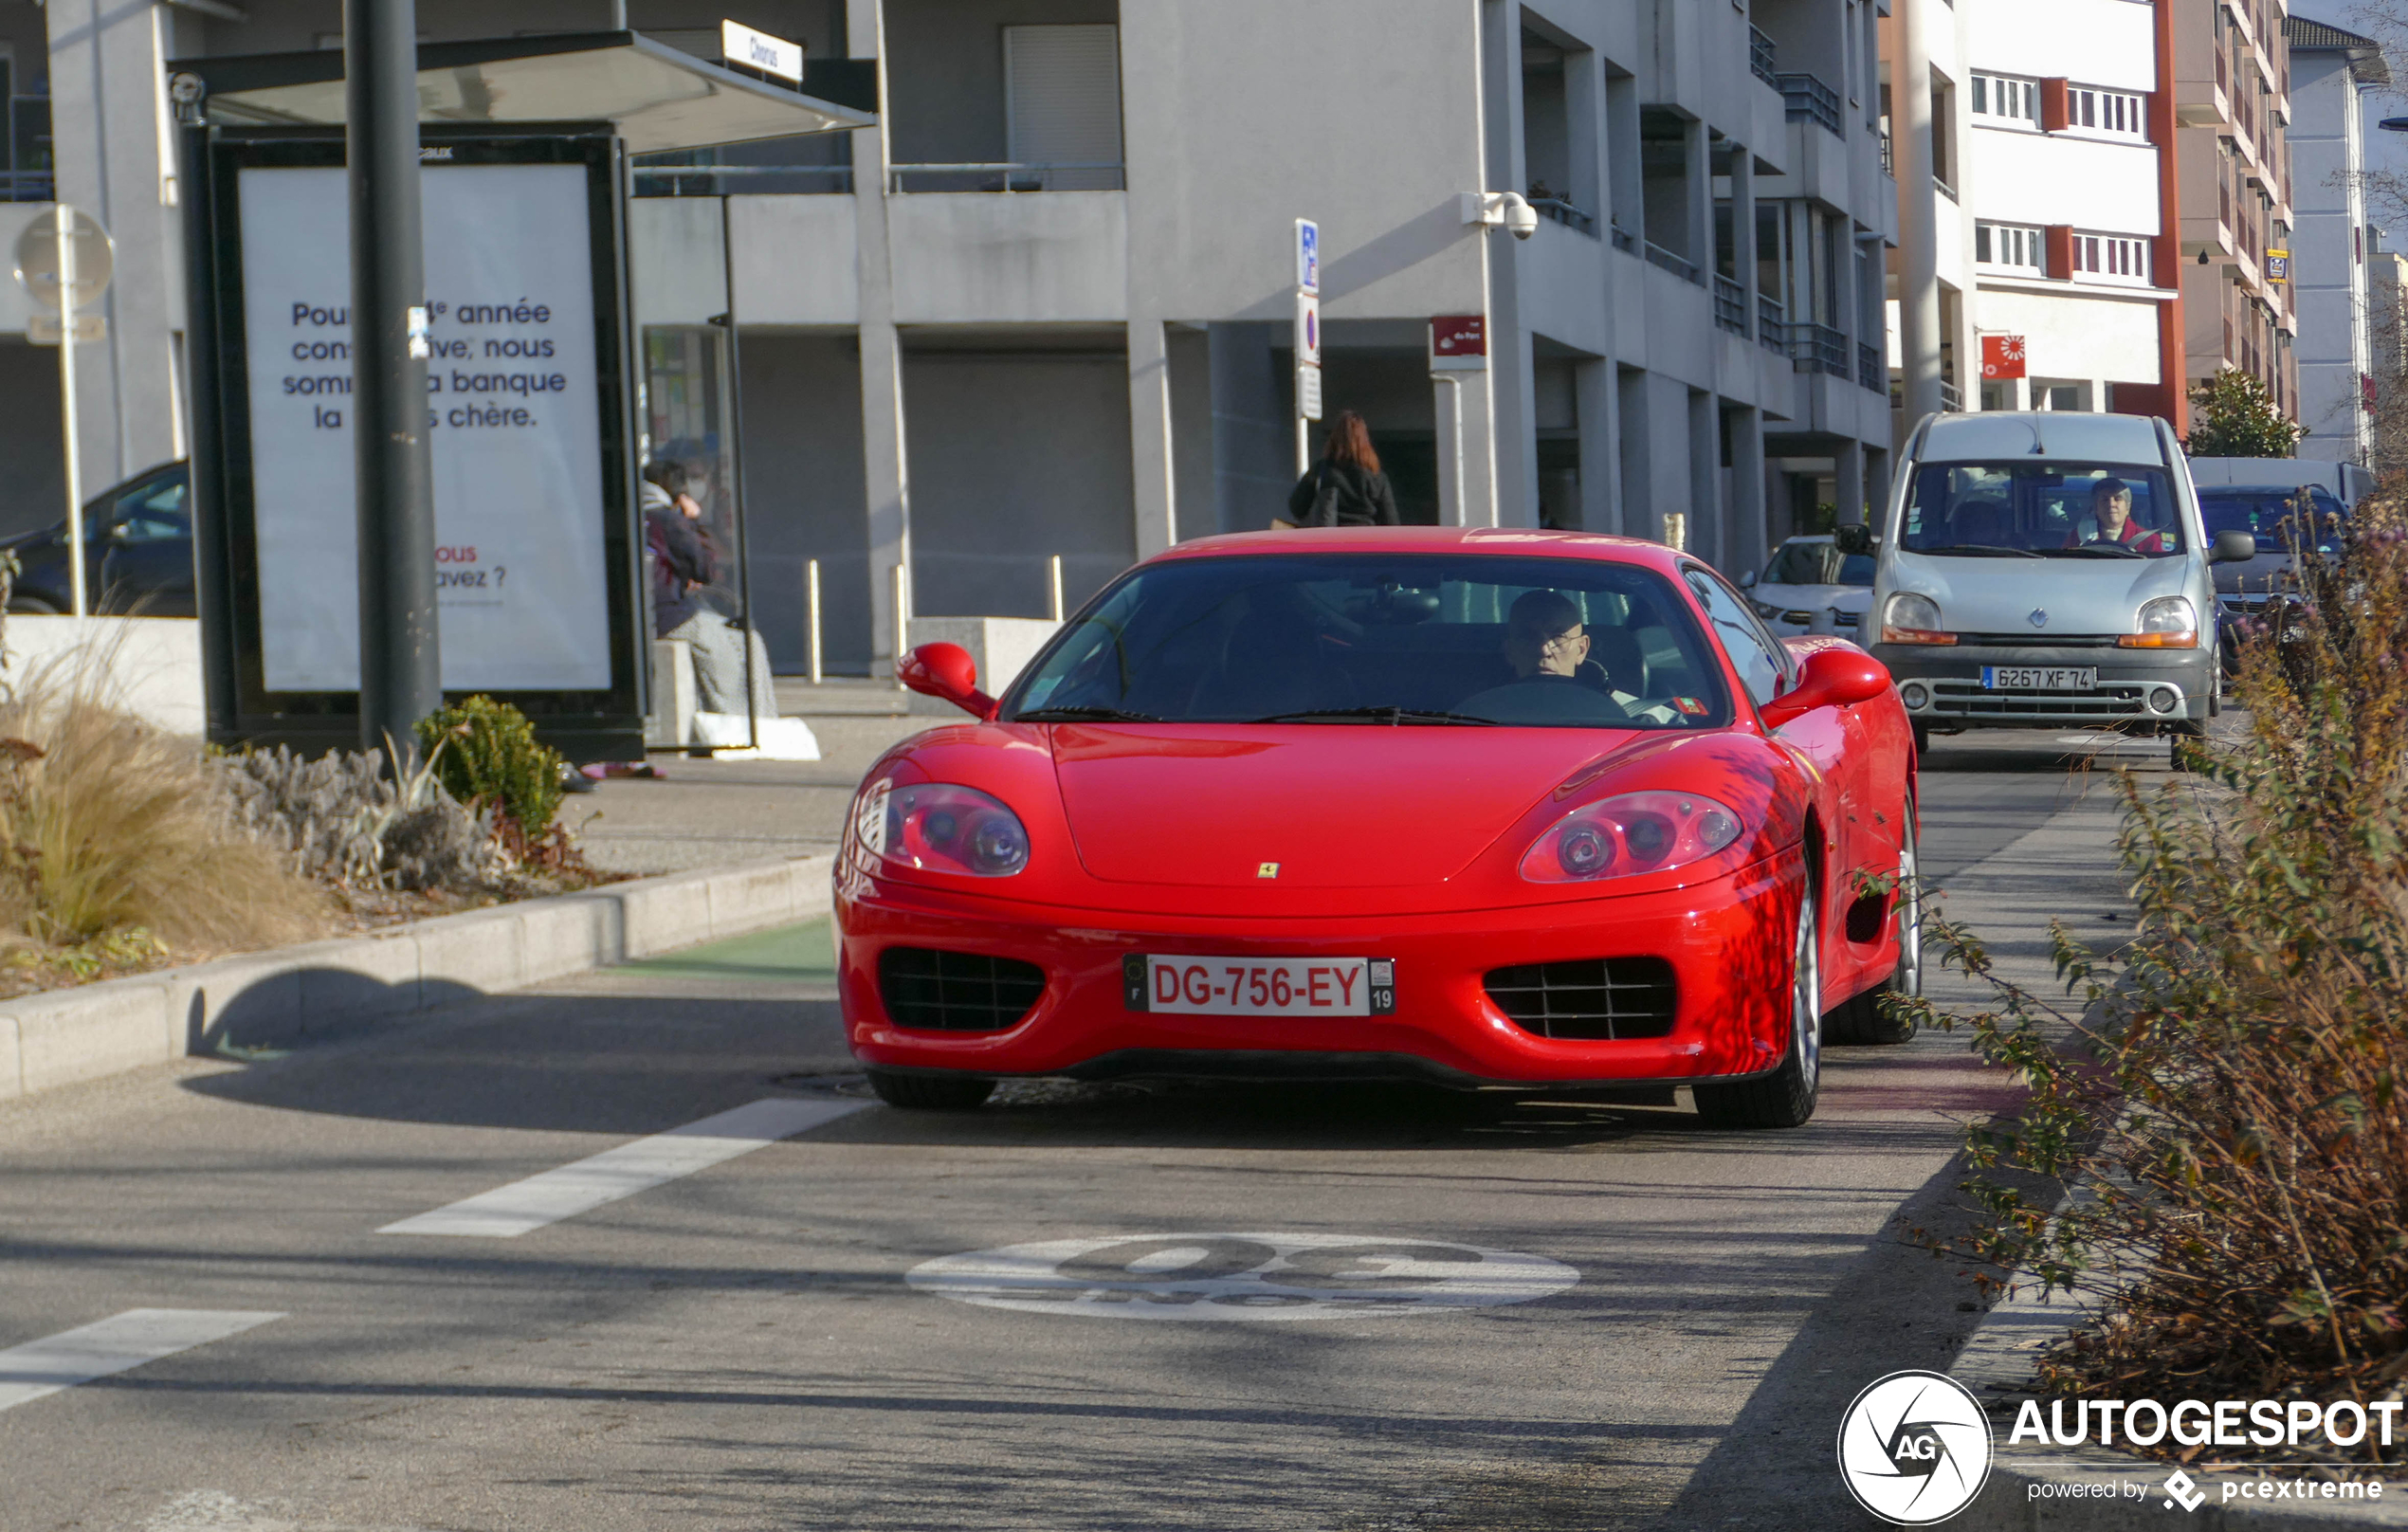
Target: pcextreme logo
1914,1448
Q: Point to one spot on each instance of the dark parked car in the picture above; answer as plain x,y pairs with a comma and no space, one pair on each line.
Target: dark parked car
2273,514
138,552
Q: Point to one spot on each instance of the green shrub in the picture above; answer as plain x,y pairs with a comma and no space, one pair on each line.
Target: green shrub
491,755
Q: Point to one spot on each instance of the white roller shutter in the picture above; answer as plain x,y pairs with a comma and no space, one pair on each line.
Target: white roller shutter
1062,98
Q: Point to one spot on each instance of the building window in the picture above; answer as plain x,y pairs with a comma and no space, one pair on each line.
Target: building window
2008,244
2112,258
2006,102
2112,112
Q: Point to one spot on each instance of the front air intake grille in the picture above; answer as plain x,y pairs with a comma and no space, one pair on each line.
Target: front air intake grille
1594,999
956,991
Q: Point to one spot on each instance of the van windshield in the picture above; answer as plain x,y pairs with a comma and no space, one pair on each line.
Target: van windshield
2273,514
2041,510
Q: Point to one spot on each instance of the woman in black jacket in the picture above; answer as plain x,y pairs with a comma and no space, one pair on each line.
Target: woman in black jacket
1345,488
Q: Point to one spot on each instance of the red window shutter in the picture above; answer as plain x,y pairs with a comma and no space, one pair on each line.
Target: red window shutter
2057,242
2055,112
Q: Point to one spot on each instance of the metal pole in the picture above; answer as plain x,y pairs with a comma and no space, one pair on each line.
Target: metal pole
1304,445
810,584
65,217
1053,573
400,652
735,470
618,15
902,619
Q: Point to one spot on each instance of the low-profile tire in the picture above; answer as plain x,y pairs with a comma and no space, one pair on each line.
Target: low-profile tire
1923,740
1863,1019
2189,740
931,1092
1785,1097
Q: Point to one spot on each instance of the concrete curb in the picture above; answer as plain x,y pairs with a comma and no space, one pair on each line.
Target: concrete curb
327,989
2033,1486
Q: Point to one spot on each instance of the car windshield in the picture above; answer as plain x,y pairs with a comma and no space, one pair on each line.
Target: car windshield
1435,639
2041,510
1804,562
2263,511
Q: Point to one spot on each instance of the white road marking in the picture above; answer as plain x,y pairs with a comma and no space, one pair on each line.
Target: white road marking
113,1345
507,1211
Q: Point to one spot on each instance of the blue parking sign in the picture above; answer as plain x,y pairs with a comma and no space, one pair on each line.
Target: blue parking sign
1307,256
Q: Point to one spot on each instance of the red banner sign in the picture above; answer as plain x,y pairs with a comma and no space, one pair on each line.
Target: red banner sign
2002,356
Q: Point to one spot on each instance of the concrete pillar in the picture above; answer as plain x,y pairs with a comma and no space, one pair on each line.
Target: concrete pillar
1751,539
1877,485
1513,445
1595,406
1706,537
886,458
1466,473
1635,457
1848,483
1744,225
109,133
1918,213
1156,494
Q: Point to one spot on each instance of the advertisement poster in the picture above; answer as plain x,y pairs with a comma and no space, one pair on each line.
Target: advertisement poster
512,413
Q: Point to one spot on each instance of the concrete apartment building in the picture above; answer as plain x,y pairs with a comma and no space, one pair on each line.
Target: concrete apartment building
2108,179
1044,308
2331,72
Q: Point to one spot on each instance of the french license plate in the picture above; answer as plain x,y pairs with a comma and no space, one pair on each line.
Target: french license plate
1259,986
2039,678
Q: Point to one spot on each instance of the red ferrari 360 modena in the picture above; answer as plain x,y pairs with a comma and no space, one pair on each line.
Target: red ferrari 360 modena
1482,808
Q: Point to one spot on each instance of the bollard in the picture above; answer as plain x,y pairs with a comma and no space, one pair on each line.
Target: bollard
1053,576
810,595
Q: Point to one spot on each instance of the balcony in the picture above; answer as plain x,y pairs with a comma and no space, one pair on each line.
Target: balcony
1952,399
708,180
1624,240
1772,325
1679,266
1730,305
1872,370
1760,57
1818,348
1008,177
1567,214
1808,99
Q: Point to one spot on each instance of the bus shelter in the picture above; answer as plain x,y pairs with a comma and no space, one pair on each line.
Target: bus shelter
525,148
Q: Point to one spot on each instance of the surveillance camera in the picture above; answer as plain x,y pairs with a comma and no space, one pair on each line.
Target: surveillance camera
1522,219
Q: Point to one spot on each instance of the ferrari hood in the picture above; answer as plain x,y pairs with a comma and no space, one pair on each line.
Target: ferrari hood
1314,805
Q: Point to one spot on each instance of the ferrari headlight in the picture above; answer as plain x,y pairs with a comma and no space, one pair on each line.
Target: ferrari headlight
1912,619
2167,623
1631,833
937,827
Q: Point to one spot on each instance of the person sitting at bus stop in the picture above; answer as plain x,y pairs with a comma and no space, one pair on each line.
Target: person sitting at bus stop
2111,518
685,563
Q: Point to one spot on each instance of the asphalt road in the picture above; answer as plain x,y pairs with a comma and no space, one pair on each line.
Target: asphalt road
1662,1334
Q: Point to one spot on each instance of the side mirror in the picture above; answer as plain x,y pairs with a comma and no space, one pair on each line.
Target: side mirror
1852,539
946,672
1831,678
1747,581
2233,548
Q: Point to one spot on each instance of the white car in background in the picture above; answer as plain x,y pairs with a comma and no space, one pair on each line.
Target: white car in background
1811,587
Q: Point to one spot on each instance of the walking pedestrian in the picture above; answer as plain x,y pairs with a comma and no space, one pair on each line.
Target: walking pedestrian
1345,488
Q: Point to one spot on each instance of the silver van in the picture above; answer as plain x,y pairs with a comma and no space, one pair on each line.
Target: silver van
2046,570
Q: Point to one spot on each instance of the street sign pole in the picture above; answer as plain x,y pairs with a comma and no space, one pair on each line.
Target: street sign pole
1307,340
400,657
65,217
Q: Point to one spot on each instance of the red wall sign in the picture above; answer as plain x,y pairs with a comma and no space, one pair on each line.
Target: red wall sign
1459,334
2002,356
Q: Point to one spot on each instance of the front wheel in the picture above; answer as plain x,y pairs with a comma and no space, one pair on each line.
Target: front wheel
1863,1019
931,1092
1784,1098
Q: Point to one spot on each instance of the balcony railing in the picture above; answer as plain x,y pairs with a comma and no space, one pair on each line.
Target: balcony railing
25,186
1009,176
1808,98
1952,399
1730,305
1872,369
721,180
1564,214
1889,157
1624,240
1772,324
1760,57
1679,266
1818,348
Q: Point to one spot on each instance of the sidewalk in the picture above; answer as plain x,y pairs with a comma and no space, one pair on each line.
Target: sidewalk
701,813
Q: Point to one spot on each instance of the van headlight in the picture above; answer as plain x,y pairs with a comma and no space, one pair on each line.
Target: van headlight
2169,622
1912,619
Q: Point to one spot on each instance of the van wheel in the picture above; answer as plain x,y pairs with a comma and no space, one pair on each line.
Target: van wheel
2189,741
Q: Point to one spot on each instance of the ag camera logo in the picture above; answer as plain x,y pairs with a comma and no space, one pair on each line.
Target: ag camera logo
1915,1448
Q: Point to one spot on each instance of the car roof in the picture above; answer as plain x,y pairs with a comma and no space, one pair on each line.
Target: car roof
2008,434
1526,541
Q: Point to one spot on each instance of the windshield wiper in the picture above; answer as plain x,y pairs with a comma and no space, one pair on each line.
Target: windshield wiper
2117,550
1976,549
1067,715
1375,714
